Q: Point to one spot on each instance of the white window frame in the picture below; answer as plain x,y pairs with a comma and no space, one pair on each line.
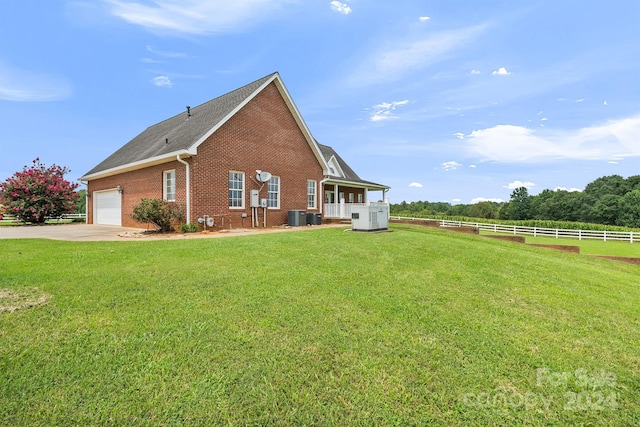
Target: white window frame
312,194
273,188
351,199
360,198
169,188
329,195
233,180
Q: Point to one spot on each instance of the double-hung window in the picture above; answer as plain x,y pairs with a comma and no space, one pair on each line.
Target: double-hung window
236,189
169,185
311,194
273,192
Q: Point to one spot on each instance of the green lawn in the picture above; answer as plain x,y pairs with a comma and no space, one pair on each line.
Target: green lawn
323,327
587,246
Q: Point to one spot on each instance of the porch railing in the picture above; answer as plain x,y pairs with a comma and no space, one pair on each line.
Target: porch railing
343,210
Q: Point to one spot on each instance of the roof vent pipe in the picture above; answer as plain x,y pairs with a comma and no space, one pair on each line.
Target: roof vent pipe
188,111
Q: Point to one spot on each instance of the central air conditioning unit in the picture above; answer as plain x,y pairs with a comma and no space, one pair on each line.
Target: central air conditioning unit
370,217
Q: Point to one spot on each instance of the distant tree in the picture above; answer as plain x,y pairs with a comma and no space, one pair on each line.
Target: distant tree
613,184
487,210
629,213
539,204
632,183
81,204
459,210
503,210
606,209
520,204
38,192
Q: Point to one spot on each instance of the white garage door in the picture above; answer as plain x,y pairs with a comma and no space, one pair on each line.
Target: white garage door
107,207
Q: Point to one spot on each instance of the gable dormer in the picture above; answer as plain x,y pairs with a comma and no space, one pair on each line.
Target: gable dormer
334,168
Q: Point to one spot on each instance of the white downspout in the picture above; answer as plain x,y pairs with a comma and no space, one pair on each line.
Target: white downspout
321,195
188,180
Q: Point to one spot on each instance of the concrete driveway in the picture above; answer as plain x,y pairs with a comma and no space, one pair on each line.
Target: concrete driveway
73,232
94,233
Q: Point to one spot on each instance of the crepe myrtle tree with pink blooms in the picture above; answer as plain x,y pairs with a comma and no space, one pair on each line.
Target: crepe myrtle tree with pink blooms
38,192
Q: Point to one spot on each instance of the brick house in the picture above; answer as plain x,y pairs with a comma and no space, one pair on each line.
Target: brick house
243,159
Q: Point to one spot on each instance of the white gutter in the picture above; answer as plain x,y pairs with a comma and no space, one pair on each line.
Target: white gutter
188,179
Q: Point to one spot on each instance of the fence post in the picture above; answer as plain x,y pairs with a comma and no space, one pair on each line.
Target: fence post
534,231
556,233
579,234
514,230
605,235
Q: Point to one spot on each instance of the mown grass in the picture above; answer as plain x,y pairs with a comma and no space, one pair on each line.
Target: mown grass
587,246
324,327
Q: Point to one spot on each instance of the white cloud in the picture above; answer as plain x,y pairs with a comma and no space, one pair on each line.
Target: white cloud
544,119
390,64
472,166
416,185
150,61
166,54
194,16
475,71
517,184
501,72
162,81
340,7
384,111
485,199
459,135
450,166
517,144
424,18
605,103
27,86
579,100
571,190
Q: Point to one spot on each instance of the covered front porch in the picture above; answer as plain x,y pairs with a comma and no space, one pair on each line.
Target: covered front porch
340,198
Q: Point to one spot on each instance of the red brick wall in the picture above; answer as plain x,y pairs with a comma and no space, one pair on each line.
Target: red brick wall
136,185
262,135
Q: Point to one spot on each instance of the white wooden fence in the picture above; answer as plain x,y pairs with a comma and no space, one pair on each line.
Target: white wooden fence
627,236
11,218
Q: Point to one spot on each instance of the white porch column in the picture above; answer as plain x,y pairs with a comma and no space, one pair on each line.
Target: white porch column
366,195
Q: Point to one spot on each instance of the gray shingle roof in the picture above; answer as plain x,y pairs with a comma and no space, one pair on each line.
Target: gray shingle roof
181,131
349,174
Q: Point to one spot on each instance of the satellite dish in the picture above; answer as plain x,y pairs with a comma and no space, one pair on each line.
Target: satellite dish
263,176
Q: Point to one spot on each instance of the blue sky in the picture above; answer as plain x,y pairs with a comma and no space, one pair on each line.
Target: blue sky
442,100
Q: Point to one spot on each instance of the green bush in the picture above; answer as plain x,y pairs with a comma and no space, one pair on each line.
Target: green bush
158,212
189,228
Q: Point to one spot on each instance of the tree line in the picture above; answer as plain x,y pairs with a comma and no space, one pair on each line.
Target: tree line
608,200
